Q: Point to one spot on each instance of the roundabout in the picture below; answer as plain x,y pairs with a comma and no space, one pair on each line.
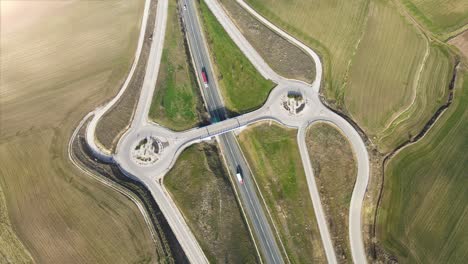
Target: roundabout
147,151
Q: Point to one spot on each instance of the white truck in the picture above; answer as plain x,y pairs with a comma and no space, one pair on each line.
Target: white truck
239,175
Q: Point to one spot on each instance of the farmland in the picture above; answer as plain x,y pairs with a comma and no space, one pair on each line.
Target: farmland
273,155
176,101
335,173
376,68
50,78
11,248
336,42
424,210
382,83
282,56
431,92
242,87
115,121
461,42
440,16
199,183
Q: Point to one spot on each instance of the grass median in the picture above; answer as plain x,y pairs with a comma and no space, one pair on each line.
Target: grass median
273,155
176,101
242,87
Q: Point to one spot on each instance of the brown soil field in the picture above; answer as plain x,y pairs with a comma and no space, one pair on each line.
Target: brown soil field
461,42
51,77
284,57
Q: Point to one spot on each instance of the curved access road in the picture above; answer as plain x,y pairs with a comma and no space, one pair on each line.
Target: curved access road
102,153
175,142
355,224
180,229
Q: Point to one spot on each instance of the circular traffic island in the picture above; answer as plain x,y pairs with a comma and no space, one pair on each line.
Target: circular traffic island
293,102
147,151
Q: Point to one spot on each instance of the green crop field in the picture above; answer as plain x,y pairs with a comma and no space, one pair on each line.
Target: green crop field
242,87
440,16
55,69
384,72
423,217
176,95
273,155
377,64
332,28
430,93
335,172
200,185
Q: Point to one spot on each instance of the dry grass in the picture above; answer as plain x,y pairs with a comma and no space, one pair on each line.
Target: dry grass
335,172
273,155
51,76
200,185
284,58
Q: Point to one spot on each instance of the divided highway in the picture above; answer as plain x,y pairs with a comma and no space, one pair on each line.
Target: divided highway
175,142
230,149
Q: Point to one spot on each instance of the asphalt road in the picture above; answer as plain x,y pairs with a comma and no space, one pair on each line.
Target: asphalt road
152,174
230,149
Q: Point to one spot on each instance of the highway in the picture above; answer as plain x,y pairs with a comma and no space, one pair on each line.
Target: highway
151,174
230,149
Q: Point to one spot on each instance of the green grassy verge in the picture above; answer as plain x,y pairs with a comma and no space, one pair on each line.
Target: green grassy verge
274,157
335,173
424,209
176,102
200,186
242,87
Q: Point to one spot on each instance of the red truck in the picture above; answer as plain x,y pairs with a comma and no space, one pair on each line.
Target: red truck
205,78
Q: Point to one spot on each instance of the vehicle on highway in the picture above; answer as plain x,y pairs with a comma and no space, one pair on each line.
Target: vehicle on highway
239,175
205,77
